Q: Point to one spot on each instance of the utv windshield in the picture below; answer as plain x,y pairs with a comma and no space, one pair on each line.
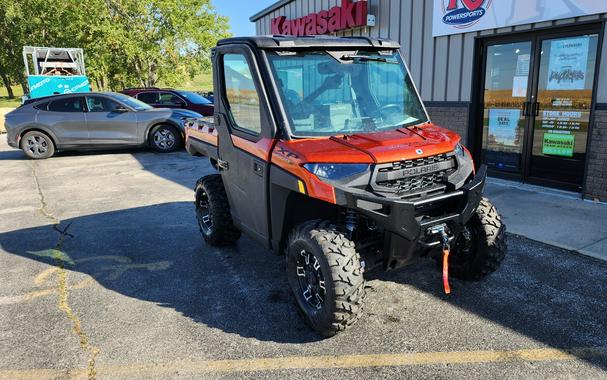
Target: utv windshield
334,93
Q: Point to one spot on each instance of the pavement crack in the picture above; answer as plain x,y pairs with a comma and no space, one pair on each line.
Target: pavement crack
43,209
62,286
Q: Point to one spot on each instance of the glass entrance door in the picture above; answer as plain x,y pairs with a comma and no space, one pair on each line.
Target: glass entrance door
562,110
536,105
505,100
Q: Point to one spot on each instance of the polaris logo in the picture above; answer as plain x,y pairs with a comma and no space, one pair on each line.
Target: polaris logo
420,170
465,14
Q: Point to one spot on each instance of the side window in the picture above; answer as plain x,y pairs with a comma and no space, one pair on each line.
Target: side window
100,104
241,94
66,105
41,106
169,99
148,97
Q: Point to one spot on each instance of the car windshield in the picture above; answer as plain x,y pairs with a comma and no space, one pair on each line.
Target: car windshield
135,104
335,93
194,97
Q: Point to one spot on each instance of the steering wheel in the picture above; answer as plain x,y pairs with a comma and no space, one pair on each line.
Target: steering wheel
387,107
390,111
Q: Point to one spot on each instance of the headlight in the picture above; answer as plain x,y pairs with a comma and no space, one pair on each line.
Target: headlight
459,150
336,171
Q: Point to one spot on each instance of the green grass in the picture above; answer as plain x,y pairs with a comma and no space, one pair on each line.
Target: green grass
202,82
5,102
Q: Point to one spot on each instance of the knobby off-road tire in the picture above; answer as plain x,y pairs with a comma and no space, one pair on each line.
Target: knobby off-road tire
213,212
165,138
486,249
37,145
318,246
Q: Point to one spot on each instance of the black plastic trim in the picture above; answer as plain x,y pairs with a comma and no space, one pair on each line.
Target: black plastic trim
405,222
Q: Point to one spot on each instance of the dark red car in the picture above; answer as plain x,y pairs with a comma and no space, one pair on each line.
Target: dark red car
169,98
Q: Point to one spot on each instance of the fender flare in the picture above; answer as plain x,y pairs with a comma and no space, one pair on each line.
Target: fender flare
39,128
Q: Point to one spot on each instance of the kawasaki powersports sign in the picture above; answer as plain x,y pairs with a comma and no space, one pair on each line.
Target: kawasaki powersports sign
349,15
461,16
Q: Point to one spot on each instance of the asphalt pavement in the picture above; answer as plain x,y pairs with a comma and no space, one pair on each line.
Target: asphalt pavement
104,275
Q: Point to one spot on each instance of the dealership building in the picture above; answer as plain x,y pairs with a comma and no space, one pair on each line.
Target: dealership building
522,81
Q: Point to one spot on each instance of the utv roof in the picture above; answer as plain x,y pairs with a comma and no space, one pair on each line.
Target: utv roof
309,42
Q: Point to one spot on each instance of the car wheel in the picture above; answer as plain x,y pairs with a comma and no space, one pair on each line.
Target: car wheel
165,138
37,145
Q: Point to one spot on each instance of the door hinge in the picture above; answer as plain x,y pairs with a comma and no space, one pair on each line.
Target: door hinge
223,165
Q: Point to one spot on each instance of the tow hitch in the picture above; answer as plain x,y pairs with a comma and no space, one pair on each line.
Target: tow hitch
441,230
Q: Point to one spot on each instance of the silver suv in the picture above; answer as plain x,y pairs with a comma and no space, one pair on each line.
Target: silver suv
93,121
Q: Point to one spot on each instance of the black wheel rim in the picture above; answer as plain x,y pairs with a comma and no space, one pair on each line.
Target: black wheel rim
36,145
465,247
203,213
311,280
164,138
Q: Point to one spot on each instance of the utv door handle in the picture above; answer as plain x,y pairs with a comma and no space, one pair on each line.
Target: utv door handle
223,165
258,169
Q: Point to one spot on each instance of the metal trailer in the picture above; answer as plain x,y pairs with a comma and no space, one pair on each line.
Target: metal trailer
52,71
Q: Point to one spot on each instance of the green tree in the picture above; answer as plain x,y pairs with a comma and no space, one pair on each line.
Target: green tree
126,42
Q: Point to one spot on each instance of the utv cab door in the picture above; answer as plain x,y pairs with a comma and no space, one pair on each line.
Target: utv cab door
245,137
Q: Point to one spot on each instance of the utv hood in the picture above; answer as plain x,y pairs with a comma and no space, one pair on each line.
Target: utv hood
379,147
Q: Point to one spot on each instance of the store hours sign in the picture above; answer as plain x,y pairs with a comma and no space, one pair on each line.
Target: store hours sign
462,16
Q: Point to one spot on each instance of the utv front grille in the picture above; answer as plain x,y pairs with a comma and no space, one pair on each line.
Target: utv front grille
414,178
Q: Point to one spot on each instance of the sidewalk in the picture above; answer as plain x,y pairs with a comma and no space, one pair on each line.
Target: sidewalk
3,111
551,216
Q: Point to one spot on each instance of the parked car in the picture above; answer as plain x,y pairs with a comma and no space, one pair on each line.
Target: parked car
209,95
169,98
93,120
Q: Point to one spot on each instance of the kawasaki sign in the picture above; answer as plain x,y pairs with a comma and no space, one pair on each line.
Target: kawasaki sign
350,15
462,16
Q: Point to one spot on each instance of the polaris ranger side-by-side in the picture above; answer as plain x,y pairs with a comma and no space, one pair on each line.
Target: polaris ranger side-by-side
325,153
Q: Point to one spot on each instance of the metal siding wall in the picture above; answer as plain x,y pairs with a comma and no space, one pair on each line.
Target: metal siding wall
454,67
406,8
417,42
427,68
441,62
467,63
394,13
441,67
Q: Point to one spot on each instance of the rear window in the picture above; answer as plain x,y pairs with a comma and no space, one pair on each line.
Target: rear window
41,106
66,105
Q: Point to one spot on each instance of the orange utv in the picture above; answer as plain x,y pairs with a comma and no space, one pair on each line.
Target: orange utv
326,154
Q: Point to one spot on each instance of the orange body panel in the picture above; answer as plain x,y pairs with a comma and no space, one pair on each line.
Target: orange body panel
377,147
260,149
204,132
287,159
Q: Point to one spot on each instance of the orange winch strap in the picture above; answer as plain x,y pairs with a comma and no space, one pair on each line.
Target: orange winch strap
446,271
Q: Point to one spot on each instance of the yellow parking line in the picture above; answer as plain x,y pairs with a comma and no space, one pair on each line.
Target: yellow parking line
316,362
